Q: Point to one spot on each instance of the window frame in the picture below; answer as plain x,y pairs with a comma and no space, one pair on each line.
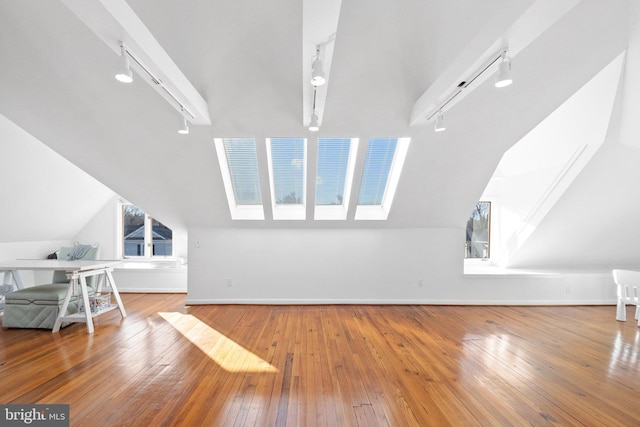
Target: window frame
148,237
284,211
238,212
338,212
381,212
488,242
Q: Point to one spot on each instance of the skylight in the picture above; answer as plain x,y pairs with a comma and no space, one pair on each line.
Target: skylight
382,166
287,173
336,160
239,166
287,164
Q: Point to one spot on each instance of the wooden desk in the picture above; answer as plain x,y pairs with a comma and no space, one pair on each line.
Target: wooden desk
78,272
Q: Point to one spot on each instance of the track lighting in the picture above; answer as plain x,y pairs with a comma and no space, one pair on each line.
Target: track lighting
317,73
124,70
124,75
504,78
184,126
439,126
313,125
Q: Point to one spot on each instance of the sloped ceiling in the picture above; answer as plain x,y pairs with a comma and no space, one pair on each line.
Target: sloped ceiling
593,224
245,59
45,196
537,171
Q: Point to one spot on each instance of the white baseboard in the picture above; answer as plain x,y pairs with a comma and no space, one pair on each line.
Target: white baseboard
210,301
152,291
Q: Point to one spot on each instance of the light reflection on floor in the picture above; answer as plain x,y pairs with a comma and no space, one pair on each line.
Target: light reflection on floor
625,353
499,356
231,356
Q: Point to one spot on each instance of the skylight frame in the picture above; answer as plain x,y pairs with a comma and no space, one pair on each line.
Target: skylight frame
338,212
381,211
238,212
287,211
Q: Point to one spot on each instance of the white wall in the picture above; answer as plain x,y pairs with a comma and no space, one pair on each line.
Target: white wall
154,280
303,265
31,250
363,266
102,229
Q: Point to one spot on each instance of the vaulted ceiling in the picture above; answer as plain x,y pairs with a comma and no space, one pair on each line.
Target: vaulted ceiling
245,58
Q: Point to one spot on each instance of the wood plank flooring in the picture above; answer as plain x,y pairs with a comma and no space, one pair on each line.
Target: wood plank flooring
171,365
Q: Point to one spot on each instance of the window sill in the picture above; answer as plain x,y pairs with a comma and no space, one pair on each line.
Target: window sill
153,264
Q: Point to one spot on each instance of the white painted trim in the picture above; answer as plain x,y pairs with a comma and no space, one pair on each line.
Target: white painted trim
553,275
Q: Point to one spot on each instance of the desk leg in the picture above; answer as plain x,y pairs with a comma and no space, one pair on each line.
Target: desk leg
65,304
11,277
87,304
116,294
99,283
16,278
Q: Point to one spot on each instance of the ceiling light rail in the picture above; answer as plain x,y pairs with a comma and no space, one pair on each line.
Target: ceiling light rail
116,23
319,28
503,79
314,126
122,75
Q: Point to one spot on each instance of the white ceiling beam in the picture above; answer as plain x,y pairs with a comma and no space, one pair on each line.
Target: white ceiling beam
113,21
517,25
319,26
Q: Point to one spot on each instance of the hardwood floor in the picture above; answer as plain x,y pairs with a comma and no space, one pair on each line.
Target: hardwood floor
167,364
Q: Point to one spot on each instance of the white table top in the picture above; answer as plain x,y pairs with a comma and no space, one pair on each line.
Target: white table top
56,264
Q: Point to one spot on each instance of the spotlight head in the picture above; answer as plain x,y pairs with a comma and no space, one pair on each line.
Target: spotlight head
124,70
504,77
439,126
313,125
317,74
184,126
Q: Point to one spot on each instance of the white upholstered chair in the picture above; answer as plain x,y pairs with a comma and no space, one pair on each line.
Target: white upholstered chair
628,283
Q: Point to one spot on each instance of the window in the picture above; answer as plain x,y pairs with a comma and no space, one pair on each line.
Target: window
287,172
382,166
143,236
336,161
287,165
239,166
478,232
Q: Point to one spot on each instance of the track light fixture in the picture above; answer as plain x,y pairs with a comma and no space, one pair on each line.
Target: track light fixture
124,70
317,73
184,126
124,75
314,126
439,126
504,78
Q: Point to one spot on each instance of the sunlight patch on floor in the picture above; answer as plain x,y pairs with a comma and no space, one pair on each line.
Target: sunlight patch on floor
231,356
